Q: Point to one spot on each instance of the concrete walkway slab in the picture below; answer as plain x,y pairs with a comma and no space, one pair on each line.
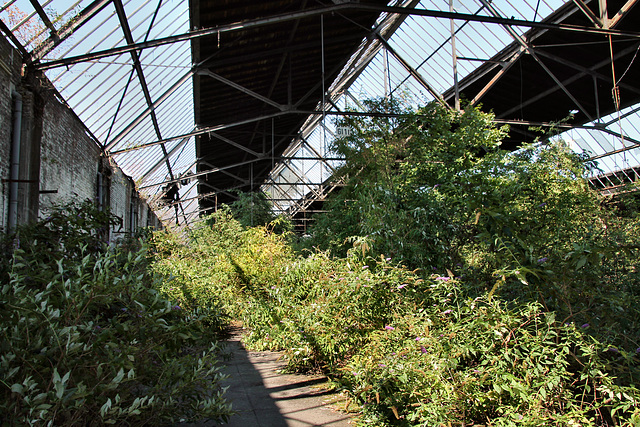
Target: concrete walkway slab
264,397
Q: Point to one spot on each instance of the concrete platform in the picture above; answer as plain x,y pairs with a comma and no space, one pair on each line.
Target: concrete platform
264,397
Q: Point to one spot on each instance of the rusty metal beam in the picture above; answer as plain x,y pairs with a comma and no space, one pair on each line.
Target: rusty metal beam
43,15
621,13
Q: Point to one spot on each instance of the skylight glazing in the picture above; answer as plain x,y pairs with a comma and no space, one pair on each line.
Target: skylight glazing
409,54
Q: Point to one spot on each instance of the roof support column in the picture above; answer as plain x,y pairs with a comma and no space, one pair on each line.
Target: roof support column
454,58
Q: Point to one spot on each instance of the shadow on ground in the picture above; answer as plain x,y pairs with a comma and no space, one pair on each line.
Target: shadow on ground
264,397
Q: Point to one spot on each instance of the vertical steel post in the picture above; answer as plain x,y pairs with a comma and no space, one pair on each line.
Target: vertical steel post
385,66
324,132
454,58
604,15
15,161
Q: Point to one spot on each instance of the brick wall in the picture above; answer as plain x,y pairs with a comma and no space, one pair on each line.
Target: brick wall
68,157
60,161
10,65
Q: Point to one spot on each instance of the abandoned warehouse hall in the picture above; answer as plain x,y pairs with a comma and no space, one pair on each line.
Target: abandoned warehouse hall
319,212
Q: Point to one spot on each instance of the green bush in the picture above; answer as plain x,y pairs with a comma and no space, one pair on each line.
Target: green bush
474,361
508,293
412,349
88,339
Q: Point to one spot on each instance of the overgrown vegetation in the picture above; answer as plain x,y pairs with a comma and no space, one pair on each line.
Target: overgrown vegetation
452,283
87,338
254,210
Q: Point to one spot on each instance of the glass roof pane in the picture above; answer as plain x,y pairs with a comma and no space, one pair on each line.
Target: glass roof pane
106,92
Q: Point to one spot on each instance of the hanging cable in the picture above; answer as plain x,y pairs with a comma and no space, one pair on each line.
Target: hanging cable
631,63
615,92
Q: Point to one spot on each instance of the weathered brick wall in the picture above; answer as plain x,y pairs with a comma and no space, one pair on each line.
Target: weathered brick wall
58,154
68,158
10,64
120,197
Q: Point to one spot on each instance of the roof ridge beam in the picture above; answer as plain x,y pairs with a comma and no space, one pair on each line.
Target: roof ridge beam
328,9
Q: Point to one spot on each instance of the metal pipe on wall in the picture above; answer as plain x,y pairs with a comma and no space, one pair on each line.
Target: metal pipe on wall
15,160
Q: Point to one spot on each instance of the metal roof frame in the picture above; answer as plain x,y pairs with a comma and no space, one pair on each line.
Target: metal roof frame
156,144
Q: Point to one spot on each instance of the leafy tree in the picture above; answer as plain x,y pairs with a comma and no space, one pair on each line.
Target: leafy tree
433,189
404,173
252,209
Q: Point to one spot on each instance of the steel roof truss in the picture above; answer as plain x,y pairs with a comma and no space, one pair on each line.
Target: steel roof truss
242,89
533,54
67,30
155,167
124,24
301,179
622,116
582,69
589,13
14,39
197,132
217,169
328,9
235,144
621,13
196,197
505,67
234,176
286,55
219,191
117,139
320,156
45,19
416,75
567,82
124,94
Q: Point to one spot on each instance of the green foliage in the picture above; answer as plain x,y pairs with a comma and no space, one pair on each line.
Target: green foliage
434,190
463,360
218,262
86,337
410,350
252,209
508,293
